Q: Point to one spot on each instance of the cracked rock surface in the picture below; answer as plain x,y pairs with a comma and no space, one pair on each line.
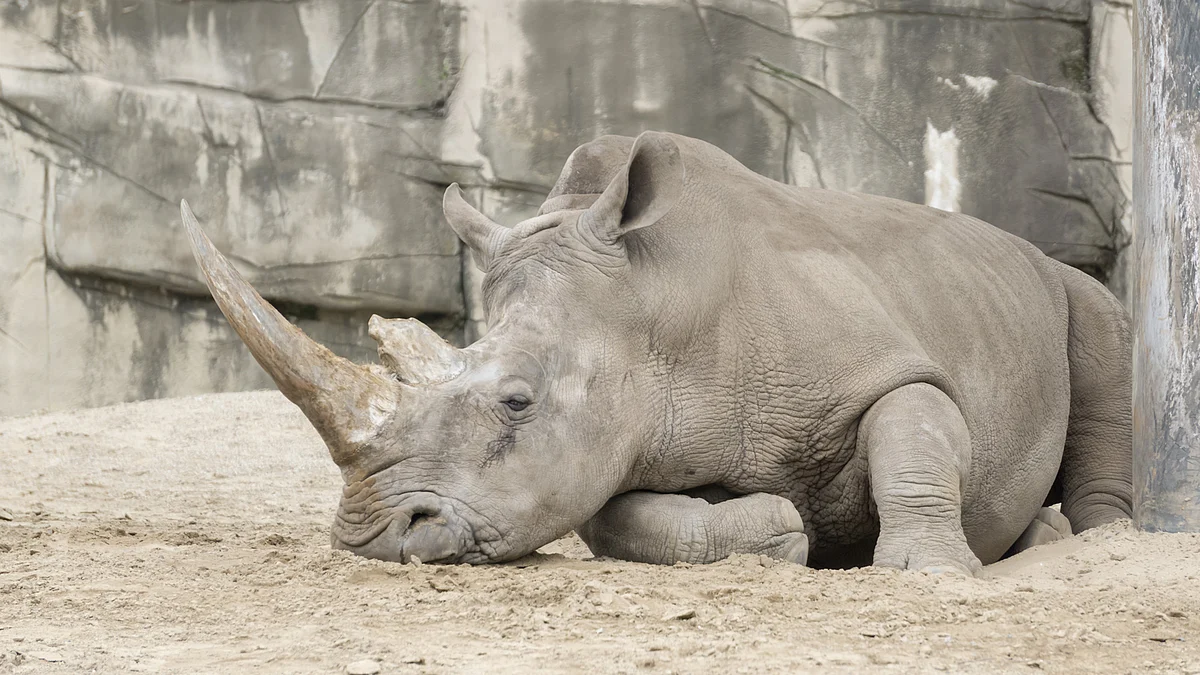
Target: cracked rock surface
315,137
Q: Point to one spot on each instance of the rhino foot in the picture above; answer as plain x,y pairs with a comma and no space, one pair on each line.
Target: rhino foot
777,518
792,547
665,529
931,554
1048,526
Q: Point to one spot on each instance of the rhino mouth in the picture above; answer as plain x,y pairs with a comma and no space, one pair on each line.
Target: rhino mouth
407,527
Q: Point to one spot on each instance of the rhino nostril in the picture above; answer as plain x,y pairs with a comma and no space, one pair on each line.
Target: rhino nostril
418,519
430,538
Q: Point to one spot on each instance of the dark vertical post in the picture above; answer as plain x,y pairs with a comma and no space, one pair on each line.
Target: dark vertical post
1166,266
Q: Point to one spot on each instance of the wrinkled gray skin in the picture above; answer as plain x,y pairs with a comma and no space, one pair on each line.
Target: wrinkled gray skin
688,360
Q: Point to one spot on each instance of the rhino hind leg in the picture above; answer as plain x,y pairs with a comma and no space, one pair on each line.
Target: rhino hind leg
1096,475
1048,526
918,454
664,529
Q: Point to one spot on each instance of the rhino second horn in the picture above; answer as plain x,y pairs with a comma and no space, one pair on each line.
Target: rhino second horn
414,352
345,402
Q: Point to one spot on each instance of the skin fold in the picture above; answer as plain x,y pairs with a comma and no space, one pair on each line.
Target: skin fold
688,360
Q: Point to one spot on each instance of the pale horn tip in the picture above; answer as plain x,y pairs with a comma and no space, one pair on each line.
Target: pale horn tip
189,221
202,248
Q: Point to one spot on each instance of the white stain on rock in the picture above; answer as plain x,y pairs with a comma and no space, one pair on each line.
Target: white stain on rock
942,187
494,53
202,168
325,30
801,167
982,85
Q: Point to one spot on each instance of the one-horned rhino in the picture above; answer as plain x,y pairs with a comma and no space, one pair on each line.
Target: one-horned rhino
686,360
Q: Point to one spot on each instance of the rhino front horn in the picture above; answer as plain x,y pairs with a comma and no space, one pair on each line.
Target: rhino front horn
345,402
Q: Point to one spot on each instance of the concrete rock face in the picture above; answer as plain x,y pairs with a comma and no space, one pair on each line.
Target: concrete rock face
314,139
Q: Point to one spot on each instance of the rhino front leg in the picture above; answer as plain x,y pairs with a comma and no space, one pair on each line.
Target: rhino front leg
664,529
919,456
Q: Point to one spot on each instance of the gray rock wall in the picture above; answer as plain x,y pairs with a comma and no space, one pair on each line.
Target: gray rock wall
314,138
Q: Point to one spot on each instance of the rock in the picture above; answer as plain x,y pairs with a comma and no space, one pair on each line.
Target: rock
414,660
5,514
773,77
679,615
284,171
315,139
363,667
48,656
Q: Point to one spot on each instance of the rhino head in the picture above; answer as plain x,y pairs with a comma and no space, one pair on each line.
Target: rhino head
485,453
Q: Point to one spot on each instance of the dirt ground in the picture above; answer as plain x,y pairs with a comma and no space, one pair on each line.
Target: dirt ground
191,535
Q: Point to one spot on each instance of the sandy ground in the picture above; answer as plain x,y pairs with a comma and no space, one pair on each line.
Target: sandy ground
191,535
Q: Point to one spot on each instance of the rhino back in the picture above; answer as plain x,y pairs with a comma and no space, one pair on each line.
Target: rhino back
854,295
991,312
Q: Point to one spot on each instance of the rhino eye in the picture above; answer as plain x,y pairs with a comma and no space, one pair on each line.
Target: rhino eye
517,403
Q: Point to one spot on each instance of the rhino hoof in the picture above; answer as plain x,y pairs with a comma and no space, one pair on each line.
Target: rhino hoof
792,547
797,551
930,555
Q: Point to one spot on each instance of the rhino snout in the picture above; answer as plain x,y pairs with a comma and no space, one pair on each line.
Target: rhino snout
429,540
425,535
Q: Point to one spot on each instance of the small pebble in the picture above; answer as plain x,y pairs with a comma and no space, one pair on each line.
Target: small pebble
364,667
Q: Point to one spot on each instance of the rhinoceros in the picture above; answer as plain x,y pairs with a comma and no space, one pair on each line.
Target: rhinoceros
688,360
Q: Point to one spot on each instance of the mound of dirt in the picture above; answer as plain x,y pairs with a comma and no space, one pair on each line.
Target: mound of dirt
193,535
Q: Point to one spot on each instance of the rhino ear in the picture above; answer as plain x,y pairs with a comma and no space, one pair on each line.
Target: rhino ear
642,192
482,235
